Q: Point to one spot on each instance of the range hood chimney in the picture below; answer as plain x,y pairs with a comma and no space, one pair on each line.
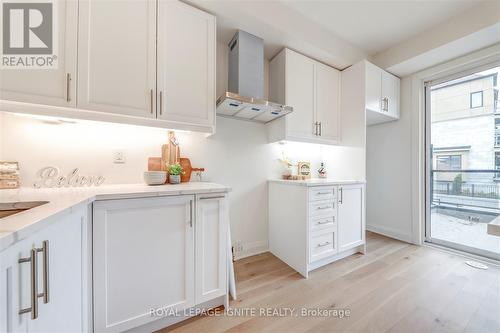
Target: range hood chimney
245,98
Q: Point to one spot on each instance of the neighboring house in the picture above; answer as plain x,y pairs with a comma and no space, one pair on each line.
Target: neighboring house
464,129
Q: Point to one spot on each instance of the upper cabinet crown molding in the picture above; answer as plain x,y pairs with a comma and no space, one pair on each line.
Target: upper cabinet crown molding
142,62
313,89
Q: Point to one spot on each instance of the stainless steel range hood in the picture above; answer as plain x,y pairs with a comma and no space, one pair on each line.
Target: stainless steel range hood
244,100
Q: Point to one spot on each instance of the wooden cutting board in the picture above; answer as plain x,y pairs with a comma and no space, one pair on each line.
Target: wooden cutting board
186,168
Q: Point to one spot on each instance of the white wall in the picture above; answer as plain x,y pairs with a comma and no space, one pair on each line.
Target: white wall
237,155
388,175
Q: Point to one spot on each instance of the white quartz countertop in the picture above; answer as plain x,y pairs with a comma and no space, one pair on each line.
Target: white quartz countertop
317,182
62,200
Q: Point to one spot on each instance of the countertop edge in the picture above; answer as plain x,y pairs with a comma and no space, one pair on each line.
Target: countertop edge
13,236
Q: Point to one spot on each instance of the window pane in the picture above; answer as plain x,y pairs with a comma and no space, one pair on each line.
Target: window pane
476,99
456,162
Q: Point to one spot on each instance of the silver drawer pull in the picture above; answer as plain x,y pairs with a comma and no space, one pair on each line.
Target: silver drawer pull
33,283
324,222
321,193
324,207
45,270
323,244
208,198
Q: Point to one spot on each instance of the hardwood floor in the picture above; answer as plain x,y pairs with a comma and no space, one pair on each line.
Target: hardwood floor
395,287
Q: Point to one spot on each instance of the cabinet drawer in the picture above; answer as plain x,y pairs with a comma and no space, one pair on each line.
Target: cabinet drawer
321,223
321,193
322,208
322,244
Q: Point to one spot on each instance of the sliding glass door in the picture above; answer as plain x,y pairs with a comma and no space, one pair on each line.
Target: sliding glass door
463,161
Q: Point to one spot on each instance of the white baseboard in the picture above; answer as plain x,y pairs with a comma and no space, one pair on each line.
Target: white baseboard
253,248
390,232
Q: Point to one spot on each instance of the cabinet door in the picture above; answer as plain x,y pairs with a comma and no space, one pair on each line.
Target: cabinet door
117,57
351,219
211,243
143,251
390,91
373,86
328,101
63,310
49,86
186,64
14,289
299,91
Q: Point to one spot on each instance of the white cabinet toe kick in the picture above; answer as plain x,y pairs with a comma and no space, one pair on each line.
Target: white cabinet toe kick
324,222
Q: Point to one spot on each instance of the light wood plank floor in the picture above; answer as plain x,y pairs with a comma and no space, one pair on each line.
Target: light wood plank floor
395,287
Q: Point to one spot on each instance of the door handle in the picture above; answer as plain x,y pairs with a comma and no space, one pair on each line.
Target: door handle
33,284
68,87
161,102
191,213
151,100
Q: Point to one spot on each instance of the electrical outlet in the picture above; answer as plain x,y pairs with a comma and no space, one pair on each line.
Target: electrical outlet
119,157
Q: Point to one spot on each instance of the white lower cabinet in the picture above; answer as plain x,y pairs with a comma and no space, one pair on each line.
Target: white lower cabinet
350,216
156,253
211,254
49,265
324,223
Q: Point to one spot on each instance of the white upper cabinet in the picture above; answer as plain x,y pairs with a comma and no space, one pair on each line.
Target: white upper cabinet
327,89
49,86
144,62
117,57
299,92
186,64
381,95
313,90
390,94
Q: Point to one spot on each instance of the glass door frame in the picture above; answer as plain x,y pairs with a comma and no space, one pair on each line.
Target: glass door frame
427,84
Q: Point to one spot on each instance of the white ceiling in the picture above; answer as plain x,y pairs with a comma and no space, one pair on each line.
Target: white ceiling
338,33
375,26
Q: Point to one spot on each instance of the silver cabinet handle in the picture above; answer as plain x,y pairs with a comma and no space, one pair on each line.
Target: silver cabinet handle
68,87
321,193
151,100
208,198
323,207
33,283
45,270
385,104
191,213
315,128
323,244
161,102
324,222
341,190
320,128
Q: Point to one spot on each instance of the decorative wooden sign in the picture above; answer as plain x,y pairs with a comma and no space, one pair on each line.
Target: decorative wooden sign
49,177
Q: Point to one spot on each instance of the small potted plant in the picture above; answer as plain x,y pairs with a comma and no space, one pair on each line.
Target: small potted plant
175,171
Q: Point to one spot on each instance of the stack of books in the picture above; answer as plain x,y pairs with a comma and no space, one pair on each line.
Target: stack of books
9,175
